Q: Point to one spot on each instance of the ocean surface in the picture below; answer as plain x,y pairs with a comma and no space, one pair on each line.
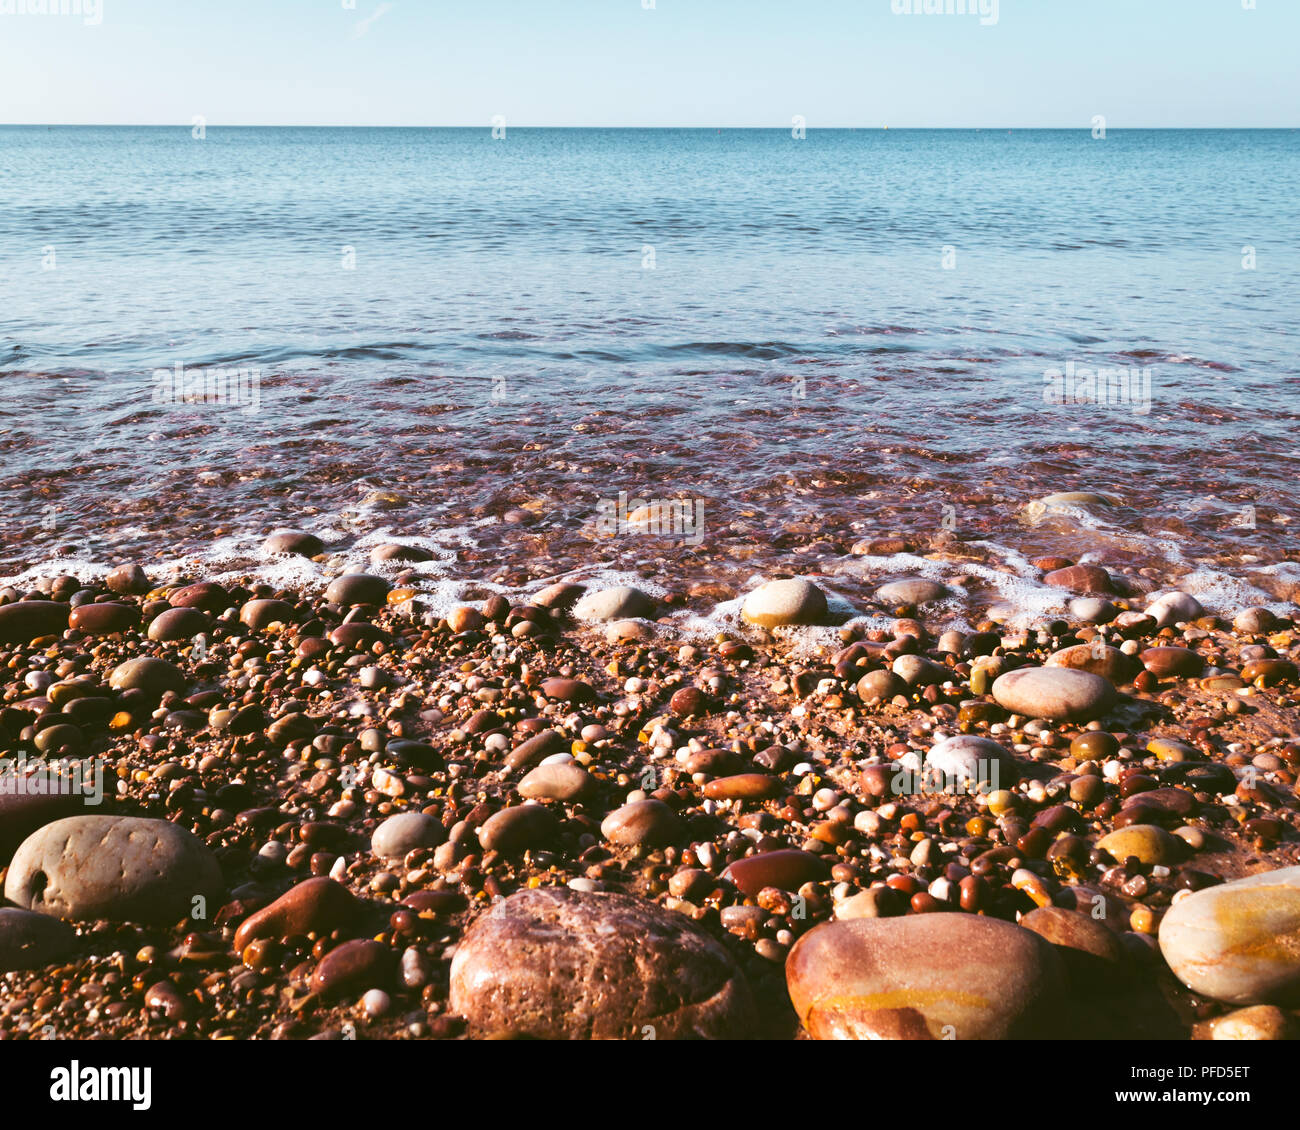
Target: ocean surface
476,343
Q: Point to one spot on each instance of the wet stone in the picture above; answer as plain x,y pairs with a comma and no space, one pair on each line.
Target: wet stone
315,905
293,542
910,591
1148,843
104,618
562,964
622,603
29,620
154,677
260,614
785,602
357,588
1081,578
354,967
787,869
178,624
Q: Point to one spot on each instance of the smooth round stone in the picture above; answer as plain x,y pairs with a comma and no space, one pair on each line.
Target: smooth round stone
206,595
1093,954
785,602
1239,942
353,967
127,580
689,702
564,782
528,753
568,690
1081,578
152,676
520,828
357,588
1108,662
120,868
622,603
621,631
404,833
1076,498
648,822
316,905
32,941
917,671
911,590
29,620
64,738
789,869
465,619
1254,621
1093,610
925,977
744,786
1055,693
1174,608
879,686
967,758
394,552
871,903
1177,802
559,597
104,618
293,542
357,634
556,963
1148,843
1171,662
177,624
1269,671
714,762
1172,750
259,614
1259,1022
952,642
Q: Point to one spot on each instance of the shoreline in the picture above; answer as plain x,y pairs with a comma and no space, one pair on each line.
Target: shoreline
737,786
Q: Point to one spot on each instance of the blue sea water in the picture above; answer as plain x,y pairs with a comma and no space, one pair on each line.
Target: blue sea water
846,333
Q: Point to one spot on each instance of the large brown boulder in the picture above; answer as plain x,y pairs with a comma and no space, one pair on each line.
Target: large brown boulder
561,964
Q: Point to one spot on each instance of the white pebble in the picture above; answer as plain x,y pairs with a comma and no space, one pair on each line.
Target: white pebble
376,1002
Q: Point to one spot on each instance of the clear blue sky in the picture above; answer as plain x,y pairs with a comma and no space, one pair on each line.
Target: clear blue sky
685,62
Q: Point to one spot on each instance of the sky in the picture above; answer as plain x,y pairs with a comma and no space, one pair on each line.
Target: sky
725,63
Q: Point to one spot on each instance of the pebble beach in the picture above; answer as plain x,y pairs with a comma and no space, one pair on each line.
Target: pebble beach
340,813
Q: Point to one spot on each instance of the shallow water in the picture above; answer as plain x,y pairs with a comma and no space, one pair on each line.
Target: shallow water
817,340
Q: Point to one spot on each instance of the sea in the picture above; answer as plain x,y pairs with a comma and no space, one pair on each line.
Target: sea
782,345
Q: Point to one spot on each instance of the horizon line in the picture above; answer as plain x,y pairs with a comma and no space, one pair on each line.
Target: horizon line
489,125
